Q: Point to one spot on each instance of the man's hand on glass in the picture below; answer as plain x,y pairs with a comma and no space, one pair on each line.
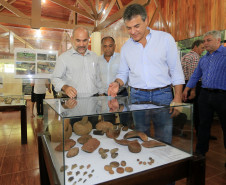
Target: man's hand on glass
69,103
70,91
114,106
176,107
113,89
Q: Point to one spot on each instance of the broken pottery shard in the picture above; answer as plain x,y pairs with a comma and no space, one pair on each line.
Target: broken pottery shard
136,134
83,139
112,133
122,141
152,143
68,143
134,147
63,168
91,145
73,152
104,126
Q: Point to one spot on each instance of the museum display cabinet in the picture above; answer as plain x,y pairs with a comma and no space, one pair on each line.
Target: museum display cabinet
103,140
10,103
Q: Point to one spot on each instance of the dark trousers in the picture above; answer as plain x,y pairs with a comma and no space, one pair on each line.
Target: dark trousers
39,103
209,102
195,104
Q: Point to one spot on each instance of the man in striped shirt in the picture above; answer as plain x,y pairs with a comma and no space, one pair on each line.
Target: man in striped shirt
190,60
212,69
77,71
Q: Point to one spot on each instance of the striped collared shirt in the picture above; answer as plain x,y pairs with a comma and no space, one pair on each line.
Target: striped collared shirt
108,70
189,63
78,71
212,70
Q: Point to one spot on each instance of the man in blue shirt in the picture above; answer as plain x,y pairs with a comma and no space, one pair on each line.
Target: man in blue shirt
150,63
212,70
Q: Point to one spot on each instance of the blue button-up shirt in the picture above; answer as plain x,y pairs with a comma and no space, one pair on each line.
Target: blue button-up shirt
153,66
212,70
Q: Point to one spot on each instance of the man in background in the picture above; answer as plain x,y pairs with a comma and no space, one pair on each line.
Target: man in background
109,64
212,69
40,86
189,63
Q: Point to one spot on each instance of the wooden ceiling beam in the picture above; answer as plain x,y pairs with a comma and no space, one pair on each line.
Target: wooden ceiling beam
11,42
48,23
93,7
110,6
36,14
153,18
4,34
119,4
86,7
119,14
9,1
102,8
161,16
12,9
15,20
97,2
69,7
16,36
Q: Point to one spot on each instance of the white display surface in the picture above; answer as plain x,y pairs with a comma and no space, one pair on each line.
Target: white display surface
162,155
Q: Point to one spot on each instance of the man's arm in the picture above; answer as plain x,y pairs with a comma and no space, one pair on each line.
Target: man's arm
178,93
98,79
58,74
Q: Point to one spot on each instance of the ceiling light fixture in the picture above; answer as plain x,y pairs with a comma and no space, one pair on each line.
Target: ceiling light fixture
38,34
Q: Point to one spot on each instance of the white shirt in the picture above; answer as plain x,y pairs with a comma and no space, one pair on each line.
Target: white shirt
78,71
153,66
108,70
40,86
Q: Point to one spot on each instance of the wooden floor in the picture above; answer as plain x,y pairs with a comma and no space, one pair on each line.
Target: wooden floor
19,163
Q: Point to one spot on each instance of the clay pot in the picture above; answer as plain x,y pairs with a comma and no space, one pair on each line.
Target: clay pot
82,127
104,126
56,130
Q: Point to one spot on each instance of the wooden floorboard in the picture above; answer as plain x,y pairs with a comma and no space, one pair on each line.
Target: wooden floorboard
19,163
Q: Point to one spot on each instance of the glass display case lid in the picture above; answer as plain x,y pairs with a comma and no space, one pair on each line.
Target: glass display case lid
98,105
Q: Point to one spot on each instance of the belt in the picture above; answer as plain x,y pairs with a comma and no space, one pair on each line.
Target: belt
215,90
151,90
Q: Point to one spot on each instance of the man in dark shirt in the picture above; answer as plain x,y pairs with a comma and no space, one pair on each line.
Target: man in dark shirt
212,70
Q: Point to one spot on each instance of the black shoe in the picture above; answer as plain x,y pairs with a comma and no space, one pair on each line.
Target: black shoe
213,137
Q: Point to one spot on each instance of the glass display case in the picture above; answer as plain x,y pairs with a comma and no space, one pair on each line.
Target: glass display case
11,100
103,140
